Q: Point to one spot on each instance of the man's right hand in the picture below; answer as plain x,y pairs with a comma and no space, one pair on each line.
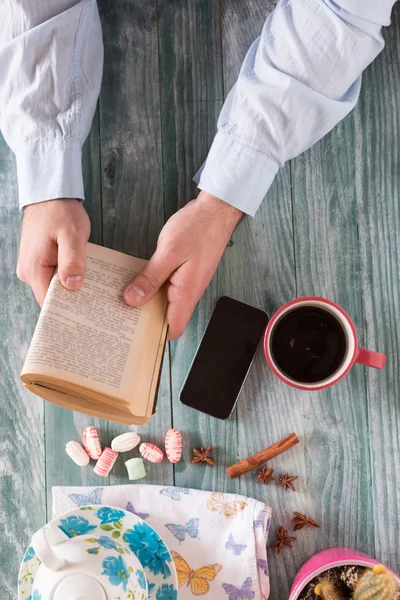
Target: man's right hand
54,234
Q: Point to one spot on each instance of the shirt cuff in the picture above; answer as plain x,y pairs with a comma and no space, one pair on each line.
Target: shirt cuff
50,170
236,173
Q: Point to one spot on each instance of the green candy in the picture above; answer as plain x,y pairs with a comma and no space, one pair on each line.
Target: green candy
135,468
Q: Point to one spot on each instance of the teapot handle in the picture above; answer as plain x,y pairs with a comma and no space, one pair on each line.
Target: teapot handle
44,541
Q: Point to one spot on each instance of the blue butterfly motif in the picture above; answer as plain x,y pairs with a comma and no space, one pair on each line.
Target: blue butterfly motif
236,548
179,531
131,509
243,593
174,493
93,498
263,566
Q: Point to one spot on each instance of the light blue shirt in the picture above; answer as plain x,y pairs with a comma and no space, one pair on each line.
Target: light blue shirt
298,80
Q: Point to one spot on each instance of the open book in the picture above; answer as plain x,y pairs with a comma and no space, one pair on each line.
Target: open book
94,354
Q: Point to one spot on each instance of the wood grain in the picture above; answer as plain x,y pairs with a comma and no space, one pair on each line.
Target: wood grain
133,208
130,128
191,98
377,156
336,456
334,217
263,258
22,456
191,92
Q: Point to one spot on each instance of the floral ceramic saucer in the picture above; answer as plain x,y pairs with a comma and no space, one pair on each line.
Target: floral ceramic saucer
105,528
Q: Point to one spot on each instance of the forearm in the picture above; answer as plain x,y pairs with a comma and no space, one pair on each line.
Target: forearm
299,79
51,59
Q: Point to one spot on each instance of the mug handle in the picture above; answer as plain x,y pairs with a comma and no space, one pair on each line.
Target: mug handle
368,358
43,542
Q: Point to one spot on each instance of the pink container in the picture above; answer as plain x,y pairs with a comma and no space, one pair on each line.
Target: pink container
328,559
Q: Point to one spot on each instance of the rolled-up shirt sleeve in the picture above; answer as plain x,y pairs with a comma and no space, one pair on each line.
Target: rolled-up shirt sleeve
51,64
299,79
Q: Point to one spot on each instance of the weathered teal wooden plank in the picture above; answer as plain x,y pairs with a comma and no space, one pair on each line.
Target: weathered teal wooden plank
22,474
133,210
330,213
262,273
63,425
191,92
191,97
352,258
335,422
377,156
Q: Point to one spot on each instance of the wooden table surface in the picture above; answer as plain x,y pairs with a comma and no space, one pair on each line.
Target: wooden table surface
329,226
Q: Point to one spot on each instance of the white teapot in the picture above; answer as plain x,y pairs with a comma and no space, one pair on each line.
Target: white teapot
80,567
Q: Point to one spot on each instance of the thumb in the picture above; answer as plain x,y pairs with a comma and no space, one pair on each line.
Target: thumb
71,261
150,279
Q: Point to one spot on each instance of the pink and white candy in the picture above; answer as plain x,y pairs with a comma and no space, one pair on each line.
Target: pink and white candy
105,462
173,445
91,442
151,452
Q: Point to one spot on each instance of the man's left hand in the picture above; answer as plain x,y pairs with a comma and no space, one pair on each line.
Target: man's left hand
189,249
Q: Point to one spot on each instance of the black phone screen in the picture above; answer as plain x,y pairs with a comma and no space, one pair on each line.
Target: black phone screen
223,358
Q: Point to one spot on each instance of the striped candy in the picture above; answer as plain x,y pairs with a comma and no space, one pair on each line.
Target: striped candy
105,462
151,452
91,442
173,445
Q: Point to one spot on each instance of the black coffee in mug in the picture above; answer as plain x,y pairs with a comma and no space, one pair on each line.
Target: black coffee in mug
308,344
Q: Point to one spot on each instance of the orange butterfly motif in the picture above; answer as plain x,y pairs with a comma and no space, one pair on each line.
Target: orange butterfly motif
198,580
217,503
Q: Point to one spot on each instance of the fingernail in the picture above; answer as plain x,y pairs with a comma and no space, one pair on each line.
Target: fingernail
134,294
74,281
138,291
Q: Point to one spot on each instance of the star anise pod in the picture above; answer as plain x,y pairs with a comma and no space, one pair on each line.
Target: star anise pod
283,540
287,482
203,457
265,475
301,521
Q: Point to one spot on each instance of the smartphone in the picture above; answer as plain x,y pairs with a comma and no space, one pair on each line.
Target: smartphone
223,358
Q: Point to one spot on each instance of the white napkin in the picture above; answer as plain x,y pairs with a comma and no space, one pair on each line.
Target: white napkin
225,532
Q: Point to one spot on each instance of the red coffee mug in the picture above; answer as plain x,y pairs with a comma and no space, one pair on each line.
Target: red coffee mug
353,354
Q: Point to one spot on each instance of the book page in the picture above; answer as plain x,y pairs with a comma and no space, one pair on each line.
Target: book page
93,339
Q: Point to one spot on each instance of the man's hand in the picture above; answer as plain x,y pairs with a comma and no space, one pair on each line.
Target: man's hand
189,249
54,233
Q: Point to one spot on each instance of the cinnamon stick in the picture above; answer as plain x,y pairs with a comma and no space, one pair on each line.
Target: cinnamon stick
252,462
